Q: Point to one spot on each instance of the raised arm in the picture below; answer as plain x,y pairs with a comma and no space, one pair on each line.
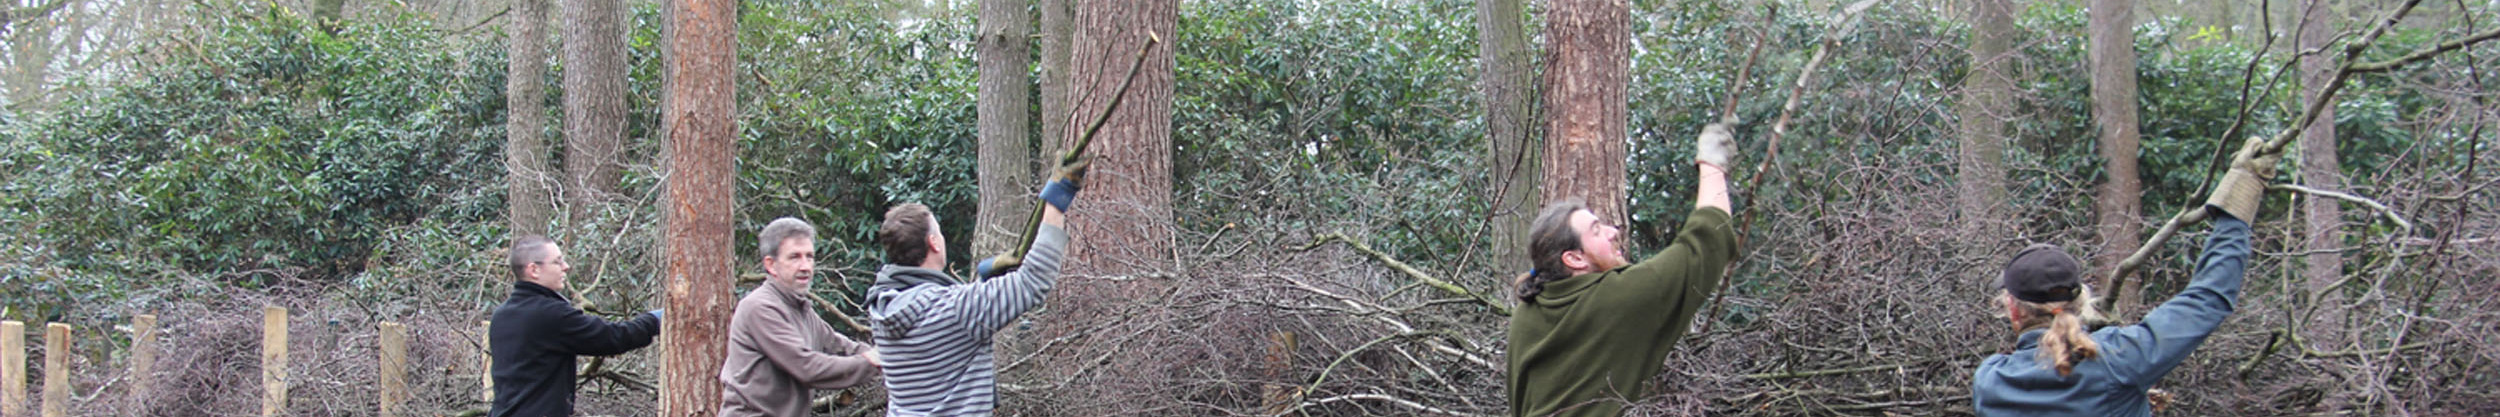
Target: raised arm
990,304
1711,152
2171,332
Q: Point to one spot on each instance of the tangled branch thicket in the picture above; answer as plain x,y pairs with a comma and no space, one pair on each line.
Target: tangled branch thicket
1854,297
1306,176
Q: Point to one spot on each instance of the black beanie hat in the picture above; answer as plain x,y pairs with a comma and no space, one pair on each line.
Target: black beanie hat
2042,273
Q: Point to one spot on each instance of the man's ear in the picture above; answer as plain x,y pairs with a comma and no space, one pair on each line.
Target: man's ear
1576,260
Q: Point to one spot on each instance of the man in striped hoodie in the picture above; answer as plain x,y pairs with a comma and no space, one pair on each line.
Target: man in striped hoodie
933,332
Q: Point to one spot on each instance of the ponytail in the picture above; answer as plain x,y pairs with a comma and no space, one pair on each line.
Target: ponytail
1533,282
1548,237
2067,341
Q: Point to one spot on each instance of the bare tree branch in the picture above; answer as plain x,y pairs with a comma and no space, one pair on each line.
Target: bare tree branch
1409,270
2363,201
1418,407
12,16
2352,65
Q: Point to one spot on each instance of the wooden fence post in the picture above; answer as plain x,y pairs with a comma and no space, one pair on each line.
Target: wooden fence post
1280,399
486,361
143,357
273,361
56,370
394,367
12,369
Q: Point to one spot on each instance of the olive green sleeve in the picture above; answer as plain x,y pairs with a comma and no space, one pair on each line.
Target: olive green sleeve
1673,284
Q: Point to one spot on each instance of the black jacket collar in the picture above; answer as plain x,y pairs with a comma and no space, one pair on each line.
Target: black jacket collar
522,288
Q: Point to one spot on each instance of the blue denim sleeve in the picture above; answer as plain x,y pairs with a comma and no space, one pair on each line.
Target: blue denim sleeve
2145,352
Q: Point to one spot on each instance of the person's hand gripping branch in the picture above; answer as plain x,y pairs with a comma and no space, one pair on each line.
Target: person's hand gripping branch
1059,193
2243,188
1711,152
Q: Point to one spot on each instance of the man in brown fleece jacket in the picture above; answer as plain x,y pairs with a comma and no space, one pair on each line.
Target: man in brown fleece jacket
779,349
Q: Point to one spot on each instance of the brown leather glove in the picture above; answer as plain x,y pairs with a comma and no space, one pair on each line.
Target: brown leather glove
2243,189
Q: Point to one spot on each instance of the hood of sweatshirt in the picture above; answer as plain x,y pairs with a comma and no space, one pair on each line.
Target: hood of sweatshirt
893,305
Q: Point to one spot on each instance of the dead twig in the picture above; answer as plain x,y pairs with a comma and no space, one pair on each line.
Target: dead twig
1409,270
1842,24
1401,402
2374,205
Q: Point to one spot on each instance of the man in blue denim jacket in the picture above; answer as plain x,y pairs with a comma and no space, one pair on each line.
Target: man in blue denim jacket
2057,370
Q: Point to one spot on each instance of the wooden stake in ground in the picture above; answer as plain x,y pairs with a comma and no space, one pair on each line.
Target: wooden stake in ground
143,357
1280,399
273,361
56,370
394,373
12,369
485,362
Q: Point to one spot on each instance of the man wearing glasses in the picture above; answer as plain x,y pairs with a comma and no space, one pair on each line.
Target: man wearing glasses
1592,328
537,332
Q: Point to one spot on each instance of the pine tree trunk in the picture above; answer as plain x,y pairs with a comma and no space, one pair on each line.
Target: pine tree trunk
1587,65
2114,112
531,199
1005,106
594,103
698,122
1509,110
1987,102
1124,219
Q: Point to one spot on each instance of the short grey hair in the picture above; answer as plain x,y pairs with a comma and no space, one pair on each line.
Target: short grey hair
781,230
528,250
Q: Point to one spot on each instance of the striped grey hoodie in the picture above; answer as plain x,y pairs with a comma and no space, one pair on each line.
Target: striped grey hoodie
934,333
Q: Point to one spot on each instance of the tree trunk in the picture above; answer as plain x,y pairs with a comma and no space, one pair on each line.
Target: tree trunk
328,11
2114,111
594,103
1125,216
698,107
531,198
1005,106
2319,169
31,31
1509,106
1056,32
1588,61
1987,102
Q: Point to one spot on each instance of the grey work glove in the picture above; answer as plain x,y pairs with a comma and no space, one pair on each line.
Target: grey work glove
1715,145
2243,188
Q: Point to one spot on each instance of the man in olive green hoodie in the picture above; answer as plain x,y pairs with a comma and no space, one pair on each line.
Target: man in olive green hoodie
1592,328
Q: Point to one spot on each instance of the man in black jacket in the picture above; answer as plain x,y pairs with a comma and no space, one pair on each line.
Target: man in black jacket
537,332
